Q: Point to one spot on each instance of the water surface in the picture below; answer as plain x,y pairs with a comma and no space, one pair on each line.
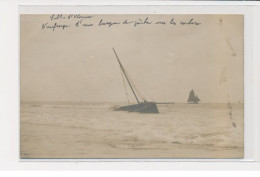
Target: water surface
94,130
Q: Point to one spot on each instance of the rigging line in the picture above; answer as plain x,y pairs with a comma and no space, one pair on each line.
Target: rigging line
126,76
144,91
121,73
135,88
140,91
124,86
148,95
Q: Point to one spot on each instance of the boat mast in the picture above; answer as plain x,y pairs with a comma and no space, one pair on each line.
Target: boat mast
121,66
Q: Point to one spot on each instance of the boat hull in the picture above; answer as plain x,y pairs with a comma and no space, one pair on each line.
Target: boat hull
145,107
193,102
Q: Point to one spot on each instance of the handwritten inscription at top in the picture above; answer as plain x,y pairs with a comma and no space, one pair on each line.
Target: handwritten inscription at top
63,22
71,16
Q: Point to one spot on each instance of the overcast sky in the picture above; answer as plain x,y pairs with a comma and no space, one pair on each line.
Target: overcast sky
164,61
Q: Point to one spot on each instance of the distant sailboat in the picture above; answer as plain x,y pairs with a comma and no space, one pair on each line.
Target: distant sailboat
193,99
142,106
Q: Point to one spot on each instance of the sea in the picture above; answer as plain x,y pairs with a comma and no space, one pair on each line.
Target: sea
70,130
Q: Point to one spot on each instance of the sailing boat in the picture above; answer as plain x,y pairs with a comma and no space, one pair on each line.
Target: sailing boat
193,99
142,106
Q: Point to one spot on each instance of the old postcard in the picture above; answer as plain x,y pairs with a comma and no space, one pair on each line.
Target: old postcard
131,86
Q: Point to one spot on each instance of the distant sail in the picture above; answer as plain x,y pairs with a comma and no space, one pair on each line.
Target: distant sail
193,99
191,96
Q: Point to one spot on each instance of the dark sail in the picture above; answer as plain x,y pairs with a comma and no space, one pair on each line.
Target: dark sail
141,106
193,99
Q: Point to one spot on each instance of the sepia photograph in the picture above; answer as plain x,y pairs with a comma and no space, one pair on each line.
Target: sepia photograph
131,86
